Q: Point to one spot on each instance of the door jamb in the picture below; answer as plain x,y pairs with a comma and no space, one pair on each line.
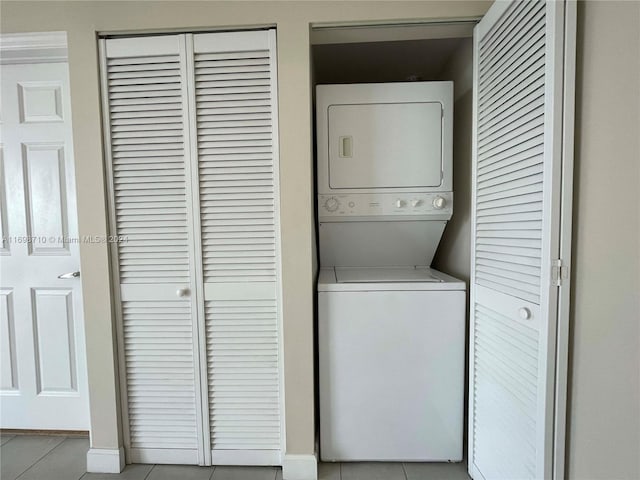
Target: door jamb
566,217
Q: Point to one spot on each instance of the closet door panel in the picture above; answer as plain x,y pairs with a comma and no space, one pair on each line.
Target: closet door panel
518,141
236,120
145,97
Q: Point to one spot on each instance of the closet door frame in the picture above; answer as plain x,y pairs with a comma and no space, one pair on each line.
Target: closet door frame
194,224
186,54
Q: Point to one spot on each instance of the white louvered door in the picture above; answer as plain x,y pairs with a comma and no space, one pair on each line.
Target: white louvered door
236,129
191,135
518,70
145,95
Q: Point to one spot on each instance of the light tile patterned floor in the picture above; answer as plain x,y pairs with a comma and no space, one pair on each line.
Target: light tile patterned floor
64,458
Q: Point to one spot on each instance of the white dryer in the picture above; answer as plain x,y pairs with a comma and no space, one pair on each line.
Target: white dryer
390,329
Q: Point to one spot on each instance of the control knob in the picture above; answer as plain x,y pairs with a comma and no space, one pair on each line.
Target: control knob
332,204
439,203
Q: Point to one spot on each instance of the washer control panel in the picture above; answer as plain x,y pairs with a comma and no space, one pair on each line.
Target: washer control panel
373,204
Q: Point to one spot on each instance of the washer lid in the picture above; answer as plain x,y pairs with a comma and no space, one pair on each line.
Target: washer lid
385,275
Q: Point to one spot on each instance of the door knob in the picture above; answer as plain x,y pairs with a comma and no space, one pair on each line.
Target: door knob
182,292
525,313
65,276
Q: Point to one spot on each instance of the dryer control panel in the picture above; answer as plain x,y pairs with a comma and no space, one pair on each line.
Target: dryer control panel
430,205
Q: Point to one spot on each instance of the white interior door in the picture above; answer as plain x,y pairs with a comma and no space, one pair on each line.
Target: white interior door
235,101
43,361
144,87
517,185
191,137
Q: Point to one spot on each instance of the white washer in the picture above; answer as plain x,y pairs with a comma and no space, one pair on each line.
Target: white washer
390,334
391,352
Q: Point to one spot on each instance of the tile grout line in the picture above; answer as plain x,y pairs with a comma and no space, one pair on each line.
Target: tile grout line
42,458
213,471
404,470
149,472
340,470
12,438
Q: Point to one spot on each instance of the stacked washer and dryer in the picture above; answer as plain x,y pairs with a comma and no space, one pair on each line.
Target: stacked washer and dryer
391,330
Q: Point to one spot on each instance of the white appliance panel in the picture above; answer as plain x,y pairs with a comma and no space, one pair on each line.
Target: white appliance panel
391,375
385,206
385,137
377,243
385,275
385,145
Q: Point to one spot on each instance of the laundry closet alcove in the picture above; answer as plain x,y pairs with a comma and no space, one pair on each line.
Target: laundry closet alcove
190,127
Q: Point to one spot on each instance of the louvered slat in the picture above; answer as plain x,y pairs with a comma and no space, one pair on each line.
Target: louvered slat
243,374
150,204
505,395
160,376
510,145
147,148
236,193
236,167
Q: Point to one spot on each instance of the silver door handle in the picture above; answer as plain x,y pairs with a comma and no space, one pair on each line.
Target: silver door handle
65,276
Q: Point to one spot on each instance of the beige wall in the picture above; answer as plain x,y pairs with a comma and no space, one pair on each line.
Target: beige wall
82,20
454,252
604,414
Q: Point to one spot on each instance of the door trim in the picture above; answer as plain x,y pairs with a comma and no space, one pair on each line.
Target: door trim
114,262
566,220
35,47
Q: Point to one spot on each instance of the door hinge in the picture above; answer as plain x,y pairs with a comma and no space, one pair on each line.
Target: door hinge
559,272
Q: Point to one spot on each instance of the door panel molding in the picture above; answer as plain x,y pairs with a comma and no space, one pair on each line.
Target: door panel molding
9,380
55,348
47,221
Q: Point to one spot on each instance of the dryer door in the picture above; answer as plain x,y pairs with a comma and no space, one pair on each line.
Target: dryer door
385,145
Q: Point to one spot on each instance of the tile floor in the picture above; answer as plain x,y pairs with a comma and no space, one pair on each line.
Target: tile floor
64,458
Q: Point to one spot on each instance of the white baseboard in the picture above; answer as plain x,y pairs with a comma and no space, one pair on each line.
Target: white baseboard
300,467
105,460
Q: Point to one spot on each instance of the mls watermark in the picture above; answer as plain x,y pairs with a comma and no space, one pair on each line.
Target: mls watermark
58,239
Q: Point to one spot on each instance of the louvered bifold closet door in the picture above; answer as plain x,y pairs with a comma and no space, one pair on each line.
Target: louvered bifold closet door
145,99
236,124
515,225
